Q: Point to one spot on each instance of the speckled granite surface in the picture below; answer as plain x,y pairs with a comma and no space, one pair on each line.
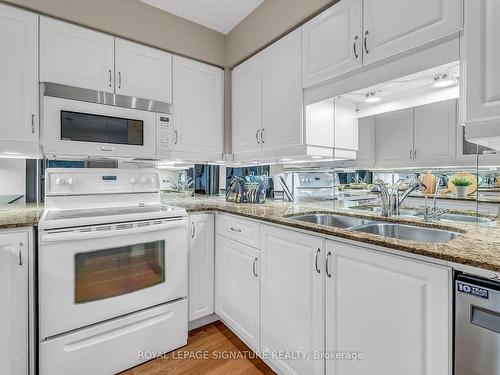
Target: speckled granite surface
20,215
478,246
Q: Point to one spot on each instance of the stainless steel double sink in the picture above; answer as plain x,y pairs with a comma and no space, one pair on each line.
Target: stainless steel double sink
381,228
450,217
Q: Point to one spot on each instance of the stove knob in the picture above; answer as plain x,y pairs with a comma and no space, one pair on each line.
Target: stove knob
133,181
72,181
144,180
151,180
60,181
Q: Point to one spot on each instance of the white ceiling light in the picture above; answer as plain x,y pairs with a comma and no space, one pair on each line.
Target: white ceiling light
443,80
372,97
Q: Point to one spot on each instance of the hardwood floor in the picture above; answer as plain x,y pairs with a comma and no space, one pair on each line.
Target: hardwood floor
204,353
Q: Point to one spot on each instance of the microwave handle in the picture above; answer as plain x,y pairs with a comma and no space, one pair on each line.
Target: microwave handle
64,236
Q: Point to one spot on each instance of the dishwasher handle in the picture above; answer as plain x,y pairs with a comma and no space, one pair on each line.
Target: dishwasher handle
485,318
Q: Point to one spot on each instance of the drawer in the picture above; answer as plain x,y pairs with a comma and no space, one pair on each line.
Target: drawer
117,344
238,229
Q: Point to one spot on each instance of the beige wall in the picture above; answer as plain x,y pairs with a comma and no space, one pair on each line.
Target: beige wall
268,22
137,21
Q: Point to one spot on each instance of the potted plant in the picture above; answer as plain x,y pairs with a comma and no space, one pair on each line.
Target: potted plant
462,186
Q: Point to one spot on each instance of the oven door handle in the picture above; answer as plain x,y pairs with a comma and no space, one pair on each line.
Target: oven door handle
71,235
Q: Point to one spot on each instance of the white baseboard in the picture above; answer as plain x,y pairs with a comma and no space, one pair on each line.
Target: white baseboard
203,321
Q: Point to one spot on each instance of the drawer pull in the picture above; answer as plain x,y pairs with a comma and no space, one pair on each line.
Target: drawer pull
254,267
236,230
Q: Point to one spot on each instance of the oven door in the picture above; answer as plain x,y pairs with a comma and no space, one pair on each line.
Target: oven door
72,127
88,275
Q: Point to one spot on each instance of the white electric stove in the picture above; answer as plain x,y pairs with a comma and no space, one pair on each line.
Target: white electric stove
112,271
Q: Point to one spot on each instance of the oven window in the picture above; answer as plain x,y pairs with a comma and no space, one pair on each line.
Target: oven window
121,270
86,127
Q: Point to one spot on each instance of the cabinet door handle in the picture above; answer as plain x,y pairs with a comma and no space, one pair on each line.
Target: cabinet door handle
176,136
316,261
110,77
254,267
119,80
355,46
236,230
257,136
193,230
327,264
411,154
32,123
20,253
414,154
364,41
262,135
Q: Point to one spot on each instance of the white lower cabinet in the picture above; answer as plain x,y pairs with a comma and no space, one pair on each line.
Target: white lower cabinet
14,308
395,311
292,300
201,265
237,289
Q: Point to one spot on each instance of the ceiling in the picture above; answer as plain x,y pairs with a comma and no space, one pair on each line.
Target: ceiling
219,15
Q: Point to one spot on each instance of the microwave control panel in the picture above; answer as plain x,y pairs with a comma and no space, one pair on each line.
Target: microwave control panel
165,131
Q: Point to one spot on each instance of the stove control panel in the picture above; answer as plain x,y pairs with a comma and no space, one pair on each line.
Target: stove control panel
86,181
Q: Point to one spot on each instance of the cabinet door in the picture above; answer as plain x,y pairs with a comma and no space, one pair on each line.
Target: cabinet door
201,266
14,306
197,106
435,129
282,92
395,26
237,289
18,77
292,298
482,59
142,71
366,142
394,138
332,42
246,106
76,56
396,311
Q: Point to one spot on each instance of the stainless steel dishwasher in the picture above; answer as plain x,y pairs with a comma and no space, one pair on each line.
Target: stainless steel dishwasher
477,326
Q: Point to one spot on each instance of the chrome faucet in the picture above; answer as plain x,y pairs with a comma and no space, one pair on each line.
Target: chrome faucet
390,197
434,212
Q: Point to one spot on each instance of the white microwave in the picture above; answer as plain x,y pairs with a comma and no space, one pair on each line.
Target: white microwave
84,129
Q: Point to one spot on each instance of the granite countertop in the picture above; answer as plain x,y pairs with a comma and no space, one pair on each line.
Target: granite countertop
478,246
20,215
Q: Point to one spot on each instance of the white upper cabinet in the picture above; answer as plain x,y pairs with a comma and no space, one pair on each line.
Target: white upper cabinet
354,33
481,61
142,71
292,298
332,42
237,289
394,138
395,311
435,127
394,26
198,107
201,265
14,292
18,80
282,92
246,105
366,142
76,56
